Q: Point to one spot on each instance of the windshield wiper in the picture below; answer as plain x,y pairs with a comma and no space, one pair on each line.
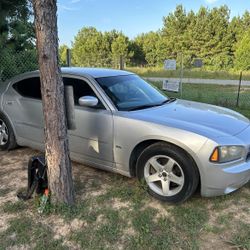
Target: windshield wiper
172,99
143,107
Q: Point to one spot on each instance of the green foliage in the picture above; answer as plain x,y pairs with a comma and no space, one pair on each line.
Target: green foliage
17,53
151,46
120,48
63,54
16,28
242,59
208,34
175,27
182,33
93,48
89,48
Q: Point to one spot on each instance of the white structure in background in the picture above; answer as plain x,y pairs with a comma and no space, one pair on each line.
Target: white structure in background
171,86
170,64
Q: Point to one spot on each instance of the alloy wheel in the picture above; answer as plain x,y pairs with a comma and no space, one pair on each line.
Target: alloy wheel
164,175
4,135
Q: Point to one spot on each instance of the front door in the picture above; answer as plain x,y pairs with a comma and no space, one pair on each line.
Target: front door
93,137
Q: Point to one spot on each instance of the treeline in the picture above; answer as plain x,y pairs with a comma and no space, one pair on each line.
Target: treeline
17,38
209,34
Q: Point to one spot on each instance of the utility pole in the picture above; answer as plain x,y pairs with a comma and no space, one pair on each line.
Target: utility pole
181,74
238,95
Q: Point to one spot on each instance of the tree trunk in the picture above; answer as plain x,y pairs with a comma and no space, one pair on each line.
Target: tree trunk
56,140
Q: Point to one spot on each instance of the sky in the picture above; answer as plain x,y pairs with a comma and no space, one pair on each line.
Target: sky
132,17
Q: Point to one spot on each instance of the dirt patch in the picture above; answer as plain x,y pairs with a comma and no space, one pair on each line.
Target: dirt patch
162,209
213,241
13,172
4,218
118,204
20,247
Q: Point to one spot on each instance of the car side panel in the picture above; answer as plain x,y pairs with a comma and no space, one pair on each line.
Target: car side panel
25,114
130,132
93,134
90,142
3,88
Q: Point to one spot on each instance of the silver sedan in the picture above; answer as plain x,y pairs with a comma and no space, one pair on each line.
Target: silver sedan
125,125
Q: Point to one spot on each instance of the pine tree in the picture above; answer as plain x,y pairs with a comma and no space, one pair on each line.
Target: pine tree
242,58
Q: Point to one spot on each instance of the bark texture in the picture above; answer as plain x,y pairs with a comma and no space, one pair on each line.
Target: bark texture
56,140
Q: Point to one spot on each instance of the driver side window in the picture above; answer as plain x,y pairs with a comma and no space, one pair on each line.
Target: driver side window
81,88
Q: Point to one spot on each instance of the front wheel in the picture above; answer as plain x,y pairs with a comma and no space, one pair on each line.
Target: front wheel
169,172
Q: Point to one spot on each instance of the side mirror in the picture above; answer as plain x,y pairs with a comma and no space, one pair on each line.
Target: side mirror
88,101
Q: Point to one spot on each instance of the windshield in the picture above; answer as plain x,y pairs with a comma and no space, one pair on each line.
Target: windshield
130,92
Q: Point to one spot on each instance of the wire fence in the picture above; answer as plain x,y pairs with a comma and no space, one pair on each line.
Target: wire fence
228,95
221,95
197,83
12,64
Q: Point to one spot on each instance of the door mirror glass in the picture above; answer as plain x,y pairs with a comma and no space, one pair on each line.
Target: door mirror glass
88,101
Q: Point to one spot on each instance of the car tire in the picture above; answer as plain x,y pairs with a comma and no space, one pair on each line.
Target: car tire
168,172
7,136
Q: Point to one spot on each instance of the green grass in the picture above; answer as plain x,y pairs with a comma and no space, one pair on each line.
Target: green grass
103,233
133,225
4,191
15,207
24,231
152,233
149,230
241,236
194,73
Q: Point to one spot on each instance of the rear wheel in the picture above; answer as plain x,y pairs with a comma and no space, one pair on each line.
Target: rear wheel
7,137
169,173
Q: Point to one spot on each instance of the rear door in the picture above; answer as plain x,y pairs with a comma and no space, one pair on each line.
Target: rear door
23,105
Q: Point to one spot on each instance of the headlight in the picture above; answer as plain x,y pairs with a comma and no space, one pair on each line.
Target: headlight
227,153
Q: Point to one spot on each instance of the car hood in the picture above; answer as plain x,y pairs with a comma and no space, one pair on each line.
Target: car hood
205,119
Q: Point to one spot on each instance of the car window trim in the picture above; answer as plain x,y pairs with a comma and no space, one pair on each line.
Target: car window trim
95,87
88,80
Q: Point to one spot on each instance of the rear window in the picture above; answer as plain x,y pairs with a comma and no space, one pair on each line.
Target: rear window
29,88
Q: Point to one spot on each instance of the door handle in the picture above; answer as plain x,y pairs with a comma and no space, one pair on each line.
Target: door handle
9,102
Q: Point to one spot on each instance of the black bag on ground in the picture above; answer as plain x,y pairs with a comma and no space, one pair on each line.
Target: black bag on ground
37,177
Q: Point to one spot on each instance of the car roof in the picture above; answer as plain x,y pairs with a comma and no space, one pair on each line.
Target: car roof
94,72
80,71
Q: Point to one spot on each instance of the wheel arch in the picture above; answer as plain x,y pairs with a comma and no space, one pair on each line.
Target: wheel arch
10,121
138,149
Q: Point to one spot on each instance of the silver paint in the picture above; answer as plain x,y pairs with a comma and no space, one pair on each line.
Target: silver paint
88,101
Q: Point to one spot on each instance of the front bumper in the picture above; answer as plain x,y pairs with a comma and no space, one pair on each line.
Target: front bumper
220,179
